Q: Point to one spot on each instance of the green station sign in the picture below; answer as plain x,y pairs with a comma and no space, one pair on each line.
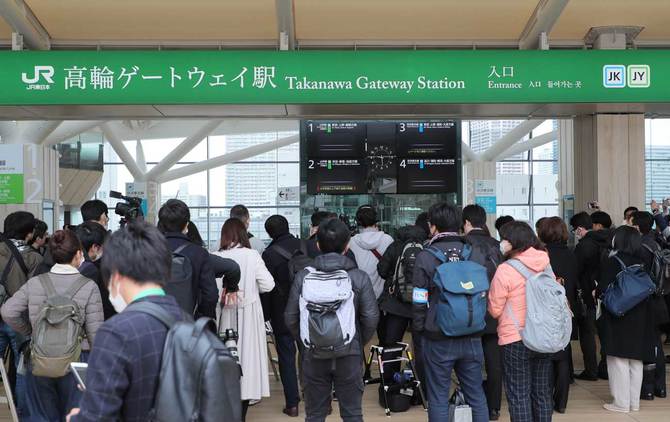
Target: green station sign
334,77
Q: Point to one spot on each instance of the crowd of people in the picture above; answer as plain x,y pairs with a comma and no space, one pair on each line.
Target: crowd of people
324,298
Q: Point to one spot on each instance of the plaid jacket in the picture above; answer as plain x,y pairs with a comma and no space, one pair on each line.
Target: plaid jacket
124,366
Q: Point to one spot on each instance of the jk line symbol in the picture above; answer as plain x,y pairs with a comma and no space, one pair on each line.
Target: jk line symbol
632,76
614,76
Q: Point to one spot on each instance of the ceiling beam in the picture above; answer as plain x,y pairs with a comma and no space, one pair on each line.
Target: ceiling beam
67,130
286,24
21,18
122,151
542,20
532,143
509,139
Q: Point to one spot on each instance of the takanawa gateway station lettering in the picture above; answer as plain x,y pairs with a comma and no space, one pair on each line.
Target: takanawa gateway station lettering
333,77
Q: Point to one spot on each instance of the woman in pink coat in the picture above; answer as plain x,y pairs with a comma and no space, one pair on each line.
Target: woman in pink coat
527,374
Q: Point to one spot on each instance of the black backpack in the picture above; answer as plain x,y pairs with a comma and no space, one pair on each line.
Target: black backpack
180,285
660,268
402,286
298,260
199,378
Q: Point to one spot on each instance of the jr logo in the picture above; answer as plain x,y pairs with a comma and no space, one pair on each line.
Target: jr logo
47,72
632,76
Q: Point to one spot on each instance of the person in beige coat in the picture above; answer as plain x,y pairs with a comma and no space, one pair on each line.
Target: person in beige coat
246,313
51,399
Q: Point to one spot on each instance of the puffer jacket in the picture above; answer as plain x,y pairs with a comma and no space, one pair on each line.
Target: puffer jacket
31,296
509,288
365,303
16,278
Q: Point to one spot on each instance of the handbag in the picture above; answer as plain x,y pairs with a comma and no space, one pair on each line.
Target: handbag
459,410
631,287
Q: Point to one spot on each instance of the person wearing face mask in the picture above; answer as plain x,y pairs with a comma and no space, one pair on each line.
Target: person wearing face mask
92,236
592,247
50,399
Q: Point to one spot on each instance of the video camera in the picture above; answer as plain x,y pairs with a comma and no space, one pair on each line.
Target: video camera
130,209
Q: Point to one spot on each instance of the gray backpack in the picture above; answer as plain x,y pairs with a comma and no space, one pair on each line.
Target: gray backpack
548,319
58,330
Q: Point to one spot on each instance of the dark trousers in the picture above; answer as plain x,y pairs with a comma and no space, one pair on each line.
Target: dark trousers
587,340
562,373
494,370
51,399
391,330
286,351
527,384
320,376
466,357
8,338
655,380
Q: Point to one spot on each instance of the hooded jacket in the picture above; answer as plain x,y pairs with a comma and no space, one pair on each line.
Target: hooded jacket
590,252
387,266
365,303
508,288
16,278
362,245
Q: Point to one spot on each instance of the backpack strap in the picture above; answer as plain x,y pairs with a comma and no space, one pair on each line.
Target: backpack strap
80,282
621,263
17,256
303,247
527,272
376,253
47,285
284,253
5,272
179,250
437,254
653,252
155,311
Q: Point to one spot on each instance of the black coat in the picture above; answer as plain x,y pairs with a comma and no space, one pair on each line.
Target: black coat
91,270
590,251
205,292
274,302
490,253
387,266
631,336
564,264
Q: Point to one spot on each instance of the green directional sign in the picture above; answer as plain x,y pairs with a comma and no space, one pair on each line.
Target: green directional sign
333,77
11,174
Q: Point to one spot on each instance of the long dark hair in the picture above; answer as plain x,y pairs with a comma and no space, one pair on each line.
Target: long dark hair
234,233
521,236
627,240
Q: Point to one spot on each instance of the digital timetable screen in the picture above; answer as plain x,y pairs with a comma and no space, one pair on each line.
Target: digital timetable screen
370,157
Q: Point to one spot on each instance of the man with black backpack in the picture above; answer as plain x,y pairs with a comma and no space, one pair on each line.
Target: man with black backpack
477,235
18,262
277,256
332,311
147,360
192,279
449,308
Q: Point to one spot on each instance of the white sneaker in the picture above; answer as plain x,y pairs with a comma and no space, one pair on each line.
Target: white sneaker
613,408
634,409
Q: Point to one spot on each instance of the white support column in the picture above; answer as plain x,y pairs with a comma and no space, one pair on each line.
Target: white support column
182,149
520,147
232,157
542,20
468,154
509,139
566,161
122,152
139,154
22,19
69,130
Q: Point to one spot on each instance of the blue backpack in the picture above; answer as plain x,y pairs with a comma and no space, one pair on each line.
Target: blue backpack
462,285
631,287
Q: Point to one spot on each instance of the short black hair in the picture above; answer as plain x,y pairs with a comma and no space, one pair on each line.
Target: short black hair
502,220
422,221
366,216
445,217
91,233
276,226
19,224
173,216
644,221
628,211
93,209
240,212
40,229
333,236
581,219
320,216
137,251
602,218
521,236
476,215
627,240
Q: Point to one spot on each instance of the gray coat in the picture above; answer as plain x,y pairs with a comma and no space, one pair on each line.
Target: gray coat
31,296
365,302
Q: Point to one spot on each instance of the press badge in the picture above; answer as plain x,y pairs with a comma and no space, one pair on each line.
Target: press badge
420,296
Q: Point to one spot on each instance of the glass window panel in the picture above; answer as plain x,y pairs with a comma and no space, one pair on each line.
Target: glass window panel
512,167
540,211
513,189
192,189
657,152
546,127
547,151
293,217
220,145
157,149
115,177
545,167
545,189
521,213
248,184
109,155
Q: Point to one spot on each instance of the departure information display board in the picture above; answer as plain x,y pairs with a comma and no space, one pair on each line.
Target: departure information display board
370,157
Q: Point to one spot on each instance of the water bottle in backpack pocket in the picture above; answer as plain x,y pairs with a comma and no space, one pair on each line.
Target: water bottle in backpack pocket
327,313
548,325
463,287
